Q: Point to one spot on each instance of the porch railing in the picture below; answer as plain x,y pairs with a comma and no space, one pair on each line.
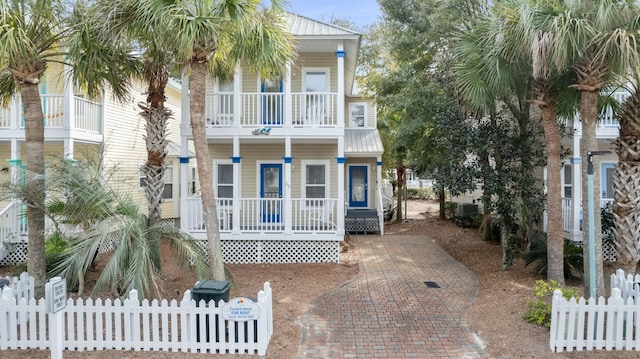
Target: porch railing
13,223
86,116
567,212
308,109
260,215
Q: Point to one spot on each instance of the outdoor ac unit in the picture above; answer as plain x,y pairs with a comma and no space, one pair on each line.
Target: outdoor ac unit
466,210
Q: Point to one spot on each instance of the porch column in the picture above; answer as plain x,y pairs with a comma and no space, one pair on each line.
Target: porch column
341,178
68,148
288,205
235,206
68,100
184,154
237,97
379,193
288,98
15,162
340,54
16,112
576,184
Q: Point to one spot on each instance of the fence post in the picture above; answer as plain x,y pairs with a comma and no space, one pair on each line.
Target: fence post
8,302
556,326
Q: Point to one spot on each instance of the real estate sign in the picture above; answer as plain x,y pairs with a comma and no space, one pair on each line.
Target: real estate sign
240,309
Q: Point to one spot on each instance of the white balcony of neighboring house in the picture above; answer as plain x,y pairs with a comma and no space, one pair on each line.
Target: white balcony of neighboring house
64,117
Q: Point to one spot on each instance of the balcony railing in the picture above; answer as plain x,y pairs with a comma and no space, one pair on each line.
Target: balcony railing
86,115
266,215
308,109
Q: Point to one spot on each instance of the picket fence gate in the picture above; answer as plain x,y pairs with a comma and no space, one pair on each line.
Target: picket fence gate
598,324
132,324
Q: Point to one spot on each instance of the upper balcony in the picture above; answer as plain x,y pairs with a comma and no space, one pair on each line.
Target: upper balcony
64,118
607,126
249,113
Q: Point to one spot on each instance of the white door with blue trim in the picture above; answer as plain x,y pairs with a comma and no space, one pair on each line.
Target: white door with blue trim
271,192
358,187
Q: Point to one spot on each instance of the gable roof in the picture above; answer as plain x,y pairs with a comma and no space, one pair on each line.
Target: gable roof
303,26
360,142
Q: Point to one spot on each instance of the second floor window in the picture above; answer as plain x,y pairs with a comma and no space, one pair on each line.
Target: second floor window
357,114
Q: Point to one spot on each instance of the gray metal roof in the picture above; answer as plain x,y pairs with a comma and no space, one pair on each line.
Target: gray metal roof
362,142
303,26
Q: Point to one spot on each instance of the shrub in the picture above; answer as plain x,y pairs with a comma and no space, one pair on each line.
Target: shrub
539,310
573,259
419,193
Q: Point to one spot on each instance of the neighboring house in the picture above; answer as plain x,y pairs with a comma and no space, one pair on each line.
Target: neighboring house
607,131
296,157
74,127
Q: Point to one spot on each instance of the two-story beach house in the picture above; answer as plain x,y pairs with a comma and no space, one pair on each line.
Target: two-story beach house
296,157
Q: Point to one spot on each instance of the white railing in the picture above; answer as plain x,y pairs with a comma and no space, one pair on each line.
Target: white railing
88,116
13,222
309,109
607,118
567,214
5,117
602,324
313,109
380,204
131,324
567,211
316,215
53,110
266,215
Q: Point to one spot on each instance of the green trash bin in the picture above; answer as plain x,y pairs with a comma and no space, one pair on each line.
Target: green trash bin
208,290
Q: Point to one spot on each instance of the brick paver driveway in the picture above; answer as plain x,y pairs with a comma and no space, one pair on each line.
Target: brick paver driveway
408,301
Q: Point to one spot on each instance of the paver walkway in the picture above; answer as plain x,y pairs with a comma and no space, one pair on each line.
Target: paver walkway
388,311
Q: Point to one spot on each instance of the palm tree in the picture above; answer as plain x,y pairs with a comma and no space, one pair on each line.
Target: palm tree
34,34
596,39
625,181
211,37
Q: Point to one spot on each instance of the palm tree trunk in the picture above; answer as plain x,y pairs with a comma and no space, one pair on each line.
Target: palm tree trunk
626,191
555,237
197,106
34,183
589,115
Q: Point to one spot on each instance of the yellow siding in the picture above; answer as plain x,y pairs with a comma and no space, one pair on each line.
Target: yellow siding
126,149
253,155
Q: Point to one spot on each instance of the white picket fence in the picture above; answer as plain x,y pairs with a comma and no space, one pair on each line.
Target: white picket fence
598,324
22,286
132,324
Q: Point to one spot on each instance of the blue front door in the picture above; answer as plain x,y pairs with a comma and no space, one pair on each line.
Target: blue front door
358,189
272,101
271,192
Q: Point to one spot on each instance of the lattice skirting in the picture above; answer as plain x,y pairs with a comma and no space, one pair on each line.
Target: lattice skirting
361,225
256,251
16,254
608,251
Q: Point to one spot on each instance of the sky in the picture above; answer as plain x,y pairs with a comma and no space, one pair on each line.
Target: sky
359,12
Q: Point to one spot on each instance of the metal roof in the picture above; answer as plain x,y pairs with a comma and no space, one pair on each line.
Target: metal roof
362,142
303,26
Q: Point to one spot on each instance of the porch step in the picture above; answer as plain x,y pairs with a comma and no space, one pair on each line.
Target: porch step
362,221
